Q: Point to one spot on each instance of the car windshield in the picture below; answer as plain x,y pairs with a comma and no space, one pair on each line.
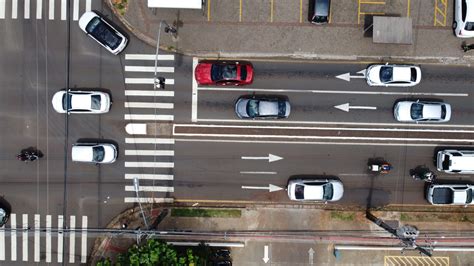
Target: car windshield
416,111
469,26
67,101
223,72
413,74
103,33
386,74
328,191
252,108
3,215
447,162
98,153
469,196
281,108
95,102
299,192
243,72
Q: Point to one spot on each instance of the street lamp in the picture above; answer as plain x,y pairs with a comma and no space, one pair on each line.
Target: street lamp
136,187
159,82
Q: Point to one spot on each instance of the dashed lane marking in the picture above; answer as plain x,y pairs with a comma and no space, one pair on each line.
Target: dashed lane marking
149,176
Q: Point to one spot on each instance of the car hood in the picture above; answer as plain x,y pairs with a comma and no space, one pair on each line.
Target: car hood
403,112
110,153
338,191
202,73
241,107
57,102
459,197
85,19
373,73
82,153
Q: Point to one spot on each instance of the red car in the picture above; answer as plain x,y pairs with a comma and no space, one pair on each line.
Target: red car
224,73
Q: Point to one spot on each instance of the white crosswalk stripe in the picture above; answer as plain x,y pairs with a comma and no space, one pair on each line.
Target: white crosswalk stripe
60,238
149,93
51,10
146,81
72,238
14,9
39,9
2,243
2,9
37,238
149,105
149,69
149,152
150,188
149,141
26,9
84,240
149,164
13,236
48,238
149,117
48,8
148,200
149,176
25,237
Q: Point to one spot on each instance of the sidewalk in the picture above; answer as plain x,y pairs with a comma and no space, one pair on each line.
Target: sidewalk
198,37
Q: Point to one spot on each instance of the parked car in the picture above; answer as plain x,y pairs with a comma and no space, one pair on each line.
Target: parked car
103,32
455,161
4,214
319,11
224,73
315,190
81,102
449,194
262,107
392,75
94,152
421,111
463,24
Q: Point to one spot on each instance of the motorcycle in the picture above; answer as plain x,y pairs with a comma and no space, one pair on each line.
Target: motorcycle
382,168
425,175
28,156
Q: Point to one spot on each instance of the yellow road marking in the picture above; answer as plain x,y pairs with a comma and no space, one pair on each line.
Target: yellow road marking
372,13
372,3
271,10
408,8
415,260
358,13
301,11
440,12
240,13
330,14
208,10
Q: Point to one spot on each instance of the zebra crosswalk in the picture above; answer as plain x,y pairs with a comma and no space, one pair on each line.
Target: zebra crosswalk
148,157
15,9
14,228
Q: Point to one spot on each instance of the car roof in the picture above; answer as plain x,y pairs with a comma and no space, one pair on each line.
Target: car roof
82,153
268,108
313,192
401,73
81,101
431,111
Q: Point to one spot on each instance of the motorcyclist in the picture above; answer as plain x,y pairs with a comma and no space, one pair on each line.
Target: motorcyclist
385,167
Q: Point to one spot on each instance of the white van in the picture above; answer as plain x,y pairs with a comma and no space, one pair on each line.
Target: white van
455,161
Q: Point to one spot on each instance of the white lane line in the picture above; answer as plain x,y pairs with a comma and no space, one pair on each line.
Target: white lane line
149,117
148,141
39,9
149,164
24,221
2,9
51,10
75,15
149,153
149,105
194,95
332,123
60,238
14,9
13,237
149,176
163,57
63,14
84,240
150,69
37,238
257,173
88,5
338,92
150,188
148,200
149,93
26,9
146,81
48,238
72,238
352,175
2,243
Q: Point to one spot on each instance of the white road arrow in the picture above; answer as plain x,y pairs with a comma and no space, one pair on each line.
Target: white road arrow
347,76
270,187
345,107
270,158
311,256
265,254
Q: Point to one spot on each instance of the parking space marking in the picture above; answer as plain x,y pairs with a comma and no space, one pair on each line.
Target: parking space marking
240,12
408,8
301,11
361,2
271,10
208,10
415,260
440,9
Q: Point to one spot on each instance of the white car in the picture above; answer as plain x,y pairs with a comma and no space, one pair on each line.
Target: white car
101,31
420,111
94,153
463,24
391,75
81,102
449,194
315,190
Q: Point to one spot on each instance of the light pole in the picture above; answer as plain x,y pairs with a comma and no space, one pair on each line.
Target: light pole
159,82
136,187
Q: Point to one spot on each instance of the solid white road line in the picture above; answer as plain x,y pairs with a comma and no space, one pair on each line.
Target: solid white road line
75,15
63,14
13,237
39,9
149,93
14,9
149,164
149,117
88,5
37,238
24,221
150,69
149,105
149,153
60,238
2,9
146,81
2,243
150,188
149,176
26,9
148,200
338,92
194,95
163,57
72,238
149,141
51,10
48,238
257,173
84,240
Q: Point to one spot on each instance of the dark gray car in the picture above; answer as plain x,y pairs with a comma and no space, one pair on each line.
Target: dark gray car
262,107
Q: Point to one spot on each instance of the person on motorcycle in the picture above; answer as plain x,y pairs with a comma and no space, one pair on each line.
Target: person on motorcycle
385,167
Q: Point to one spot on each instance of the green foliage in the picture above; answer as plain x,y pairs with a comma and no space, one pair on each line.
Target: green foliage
222,213
343,216
121,6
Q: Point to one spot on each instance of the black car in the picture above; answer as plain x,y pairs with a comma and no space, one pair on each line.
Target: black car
262,106
4,213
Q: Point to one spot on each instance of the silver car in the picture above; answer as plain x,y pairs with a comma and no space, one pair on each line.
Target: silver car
421,111
449,194
315,190
262,107
392,75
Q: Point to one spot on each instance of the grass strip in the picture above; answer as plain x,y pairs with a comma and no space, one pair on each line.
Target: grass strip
343,216
215,213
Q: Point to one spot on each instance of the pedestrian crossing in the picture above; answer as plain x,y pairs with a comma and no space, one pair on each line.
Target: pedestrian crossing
43,233
148,157
38,9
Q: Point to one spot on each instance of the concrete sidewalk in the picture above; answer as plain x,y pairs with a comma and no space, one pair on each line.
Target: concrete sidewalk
199,37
